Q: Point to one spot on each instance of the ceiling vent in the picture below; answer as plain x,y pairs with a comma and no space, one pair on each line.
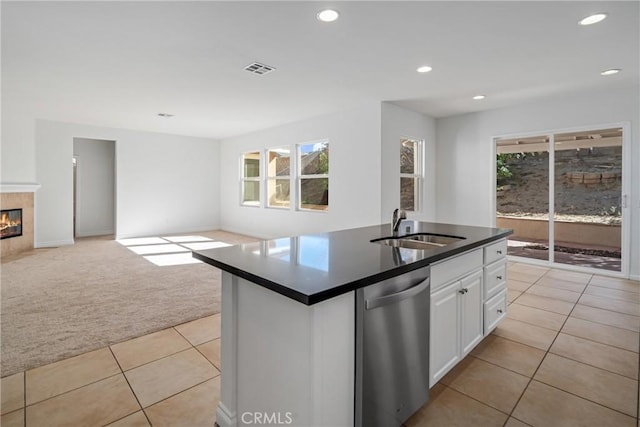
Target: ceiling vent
258,68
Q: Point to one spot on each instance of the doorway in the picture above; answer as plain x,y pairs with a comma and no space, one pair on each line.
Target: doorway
93,187
563,194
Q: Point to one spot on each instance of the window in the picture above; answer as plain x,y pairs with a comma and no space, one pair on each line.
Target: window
410,173
313,176
251,179
278,177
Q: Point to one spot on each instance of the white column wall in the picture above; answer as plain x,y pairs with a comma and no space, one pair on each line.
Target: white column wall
399,122
464,151
164,183
354,175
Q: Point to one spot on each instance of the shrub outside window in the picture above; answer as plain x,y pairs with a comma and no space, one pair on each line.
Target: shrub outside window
250,180
278,177
313,177
410,173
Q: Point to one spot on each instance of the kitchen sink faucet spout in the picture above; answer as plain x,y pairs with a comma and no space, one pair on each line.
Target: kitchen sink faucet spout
398,216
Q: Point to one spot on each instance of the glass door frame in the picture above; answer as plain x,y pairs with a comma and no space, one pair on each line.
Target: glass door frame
626,183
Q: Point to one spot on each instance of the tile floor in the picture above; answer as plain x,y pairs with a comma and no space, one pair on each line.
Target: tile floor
566,355
167,378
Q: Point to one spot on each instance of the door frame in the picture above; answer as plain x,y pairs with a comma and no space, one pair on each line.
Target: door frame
77,182
625,229
76,161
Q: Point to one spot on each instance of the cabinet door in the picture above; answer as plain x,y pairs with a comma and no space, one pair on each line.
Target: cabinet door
494,311
444,338
471,311
495,278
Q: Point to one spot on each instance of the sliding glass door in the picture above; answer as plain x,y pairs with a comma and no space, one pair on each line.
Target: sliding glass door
588,199
522,194
562,194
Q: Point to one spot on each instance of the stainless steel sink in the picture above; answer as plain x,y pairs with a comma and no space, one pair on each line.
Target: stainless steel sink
418,241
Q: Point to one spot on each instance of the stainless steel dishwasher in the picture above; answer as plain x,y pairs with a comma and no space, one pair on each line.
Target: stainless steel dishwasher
392,349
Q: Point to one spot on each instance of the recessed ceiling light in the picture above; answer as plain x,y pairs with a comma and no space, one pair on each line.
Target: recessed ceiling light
610,72
424,69
327,15
592,19
479,97
165,115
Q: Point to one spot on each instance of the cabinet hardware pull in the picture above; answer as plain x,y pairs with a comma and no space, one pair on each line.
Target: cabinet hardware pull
461,291
499,252
465,290
499,310
499,277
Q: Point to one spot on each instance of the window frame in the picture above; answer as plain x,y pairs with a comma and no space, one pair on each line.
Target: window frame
269,177
244,179
417,175
300,176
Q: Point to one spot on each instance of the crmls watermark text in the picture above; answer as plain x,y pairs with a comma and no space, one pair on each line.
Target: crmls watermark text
267,418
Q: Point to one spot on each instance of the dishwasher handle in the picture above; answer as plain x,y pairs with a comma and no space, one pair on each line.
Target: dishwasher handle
398,296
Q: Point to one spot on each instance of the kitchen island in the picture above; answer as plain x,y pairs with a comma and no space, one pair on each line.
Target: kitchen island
289,321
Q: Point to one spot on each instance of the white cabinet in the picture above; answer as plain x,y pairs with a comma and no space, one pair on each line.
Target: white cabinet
495,251
456,323
468,300
495,285
444,339
471,311
494,311
495,278
450,269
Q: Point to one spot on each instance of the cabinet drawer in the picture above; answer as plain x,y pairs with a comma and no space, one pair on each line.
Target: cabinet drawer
454,268
495,278
494,311
495,251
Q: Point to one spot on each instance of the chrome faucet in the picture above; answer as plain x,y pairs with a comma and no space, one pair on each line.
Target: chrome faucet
398,216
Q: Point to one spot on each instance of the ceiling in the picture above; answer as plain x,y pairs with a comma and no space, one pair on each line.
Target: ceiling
119,64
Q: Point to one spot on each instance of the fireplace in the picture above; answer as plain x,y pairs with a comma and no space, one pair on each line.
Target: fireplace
10,223
16,222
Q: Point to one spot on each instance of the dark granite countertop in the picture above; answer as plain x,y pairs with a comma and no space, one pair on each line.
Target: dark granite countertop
313,268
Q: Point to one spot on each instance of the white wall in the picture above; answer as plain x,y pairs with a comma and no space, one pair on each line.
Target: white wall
95,186
399,122
164,183
18,148
465,146
354,175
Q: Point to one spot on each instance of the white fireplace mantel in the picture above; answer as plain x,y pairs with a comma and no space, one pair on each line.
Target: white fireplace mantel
19,188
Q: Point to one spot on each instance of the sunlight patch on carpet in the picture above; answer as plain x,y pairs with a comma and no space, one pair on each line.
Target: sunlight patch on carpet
171,259
157,249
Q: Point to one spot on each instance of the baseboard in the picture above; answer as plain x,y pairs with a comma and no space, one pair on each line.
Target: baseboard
53,244
225,417
94,233
167,232
635,277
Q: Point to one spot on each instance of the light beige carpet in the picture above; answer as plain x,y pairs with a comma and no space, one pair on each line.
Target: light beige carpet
60,302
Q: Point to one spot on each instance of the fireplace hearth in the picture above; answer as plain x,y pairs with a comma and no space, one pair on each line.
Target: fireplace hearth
10,223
